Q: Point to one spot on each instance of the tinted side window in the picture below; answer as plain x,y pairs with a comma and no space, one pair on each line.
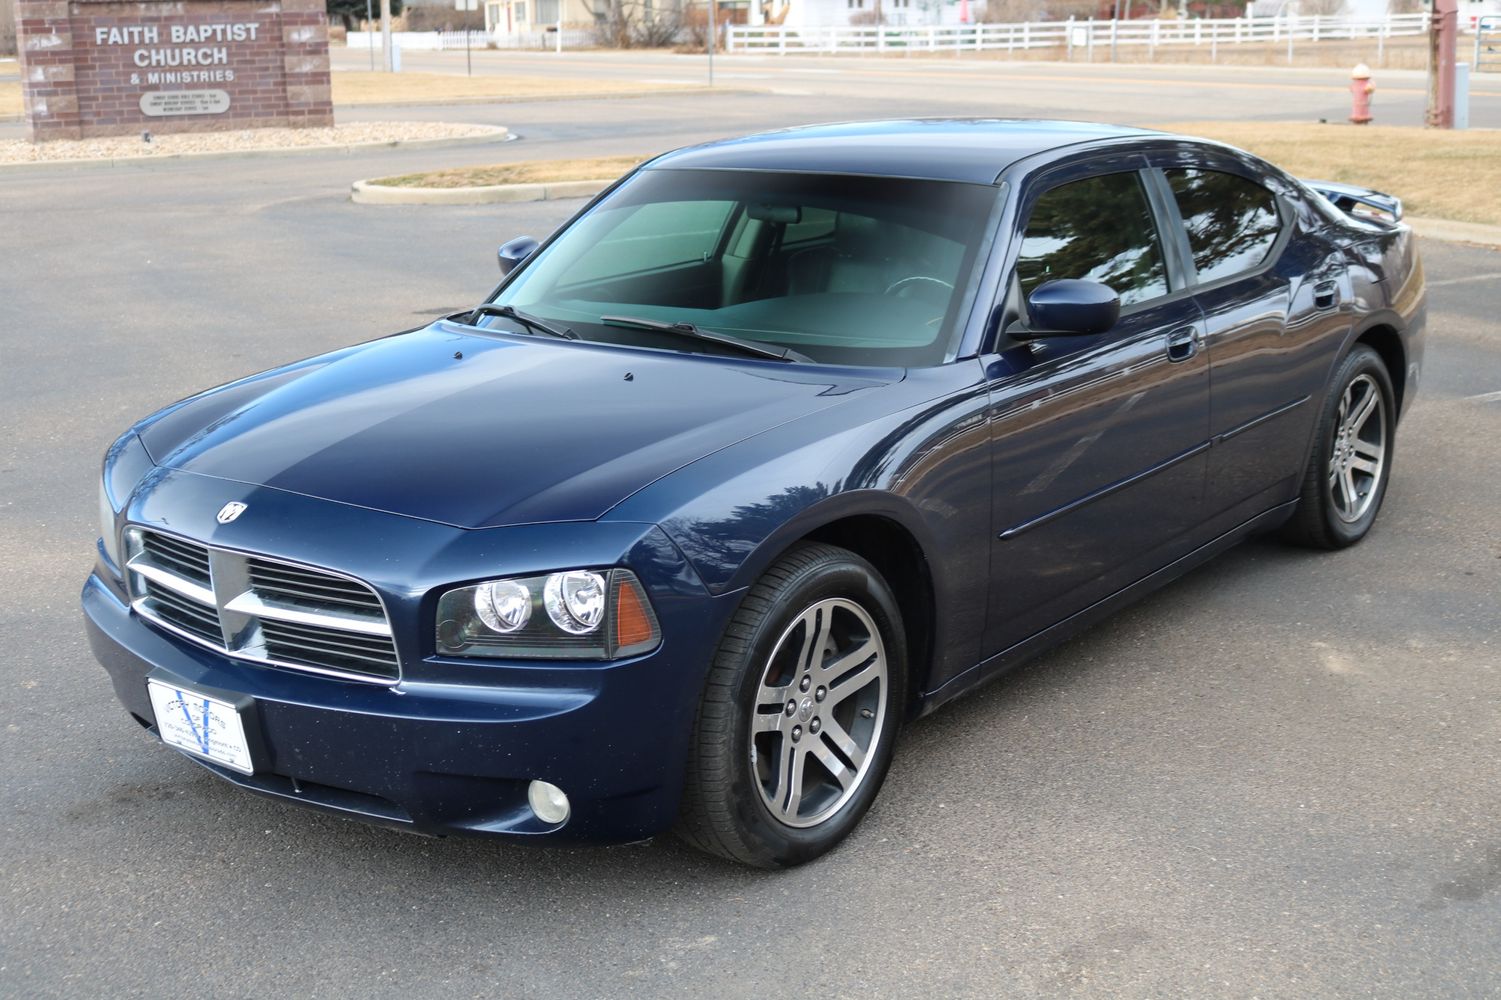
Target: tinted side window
1099,229
1231,222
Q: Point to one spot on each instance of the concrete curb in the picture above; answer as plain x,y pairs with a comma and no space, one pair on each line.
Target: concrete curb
1456,232
369,193
501,134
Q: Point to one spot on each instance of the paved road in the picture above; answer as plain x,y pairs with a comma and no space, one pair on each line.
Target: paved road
1132,93
795,89
1276,778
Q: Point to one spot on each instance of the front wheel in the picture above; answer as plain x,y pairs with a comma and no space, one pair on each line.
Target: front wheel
797,721
1352,456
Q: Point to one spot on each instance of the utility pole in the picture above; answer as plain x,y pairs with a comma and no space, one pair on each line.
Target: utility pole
370,33
1443,38
713,39
385,34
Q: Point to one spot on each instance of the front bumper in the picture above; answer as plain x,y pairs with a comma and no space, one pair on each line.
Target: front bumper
448,756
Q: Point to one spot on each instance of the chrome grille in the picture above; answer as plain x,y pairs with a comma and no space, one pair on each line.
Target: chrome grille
292,583
188,558
326,647
185,613
261,609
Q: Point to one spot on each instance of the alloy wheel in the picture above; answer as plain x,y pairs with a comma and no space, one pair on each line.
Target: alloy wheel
1358,456
819,709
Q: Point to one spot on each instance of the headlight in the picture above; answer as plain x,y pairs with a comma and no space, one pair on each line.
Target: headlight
503,606
575,600
125,465
577,614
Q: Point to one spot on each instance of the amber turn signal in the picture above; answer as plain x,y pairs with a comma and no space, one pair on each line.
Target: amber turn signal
634,624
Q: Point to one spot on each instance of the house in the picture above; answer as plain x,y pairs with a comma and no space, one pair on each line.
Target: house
823,13
507,17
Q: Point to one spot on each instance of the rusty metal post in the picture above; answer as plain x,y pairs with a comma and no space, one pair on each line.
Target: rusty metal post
1443,39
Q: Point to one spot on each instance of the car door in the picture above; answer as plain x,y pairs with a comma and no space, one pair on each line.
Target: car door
1273,299
1097,442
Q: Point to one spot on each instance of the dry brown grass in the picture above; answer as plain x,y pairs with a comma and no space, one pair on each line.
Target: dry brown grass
416,88
1438,174
357,87
535,172
10,100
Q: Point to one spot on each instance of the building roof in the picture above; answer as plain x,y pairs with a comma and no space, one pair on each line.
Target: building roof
957,149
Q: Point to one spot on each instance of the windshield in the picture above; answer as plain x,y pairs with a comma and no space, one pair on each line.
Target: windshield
839,269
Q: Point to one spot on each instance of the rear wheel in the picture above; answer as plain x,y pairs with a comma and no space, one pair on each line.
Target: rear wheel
1351,462
795,729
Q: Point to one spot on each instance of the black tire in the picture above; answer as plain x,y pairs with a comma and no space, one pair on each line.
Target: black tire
1323,519
727,808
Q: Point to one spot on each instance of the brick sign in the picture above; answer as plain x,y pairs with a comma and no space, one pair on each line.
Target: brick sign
101,67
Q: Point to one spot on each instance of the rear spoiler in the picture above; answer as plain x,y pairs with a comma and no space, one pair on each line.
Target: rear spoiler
1358,202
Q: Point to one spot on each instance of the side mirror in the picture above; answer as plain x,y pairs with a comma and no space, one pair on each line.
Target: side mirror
514,252
1072,307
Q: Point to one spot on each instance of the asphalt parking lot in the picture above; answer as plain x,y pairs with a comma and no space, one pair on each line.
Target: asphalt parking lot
1275,778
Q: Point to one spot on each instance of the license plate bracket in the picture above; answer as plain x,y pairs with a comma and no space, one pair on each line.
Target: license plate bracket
216,726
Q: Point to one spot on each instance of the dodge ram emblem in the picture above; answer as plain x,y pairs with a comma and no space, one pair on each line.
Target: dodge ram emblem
230,511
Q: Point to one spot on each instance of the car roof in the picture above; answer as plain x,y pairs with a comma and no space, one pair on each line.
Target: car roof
951,149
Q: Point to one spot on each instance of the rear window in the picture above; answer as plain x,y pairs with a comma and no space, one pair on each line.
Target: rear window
1232,222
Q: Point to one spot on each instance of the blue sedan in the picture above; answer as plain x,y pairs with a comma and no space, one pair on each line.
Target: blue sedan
781,442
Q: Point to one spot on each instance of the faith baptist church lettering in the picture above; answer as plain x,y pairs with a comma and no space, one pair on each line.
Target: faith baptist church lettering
101,67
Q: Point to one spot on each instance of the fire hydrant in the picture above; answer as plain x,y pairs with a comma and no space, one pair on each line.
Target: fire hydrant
1361,89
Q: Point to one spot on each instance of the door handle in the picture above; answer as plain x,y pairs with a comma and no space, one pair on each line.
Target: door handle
1325,294
1182,344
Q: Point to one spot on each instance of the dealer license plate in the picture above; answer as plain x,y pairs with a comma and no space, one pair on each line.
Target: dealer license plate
202,726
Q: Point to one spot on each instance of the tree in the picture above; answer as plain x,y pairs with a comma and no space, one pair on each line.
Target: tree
351,12
640,23
1015,11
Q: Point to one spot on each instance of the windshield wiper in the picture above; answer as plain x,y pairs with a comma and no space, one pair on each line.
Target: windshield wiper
510,312
690,331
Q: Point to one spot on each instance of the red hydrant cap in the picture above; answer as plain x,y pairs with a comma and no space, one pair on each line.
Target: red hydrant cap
1360,72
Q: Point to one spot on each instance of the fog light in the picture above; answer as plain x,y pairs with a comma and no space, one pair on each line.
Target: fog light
547,801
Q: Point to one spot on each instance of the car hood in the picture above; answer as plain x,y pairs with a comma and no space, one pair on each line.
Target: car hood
478,431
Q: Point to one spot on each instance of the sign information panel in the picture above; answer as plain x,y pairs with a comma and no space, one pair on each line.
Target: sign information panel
162,103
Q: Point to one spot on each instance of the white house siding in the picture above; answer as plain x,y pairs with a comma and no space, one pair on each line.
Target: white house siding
825,13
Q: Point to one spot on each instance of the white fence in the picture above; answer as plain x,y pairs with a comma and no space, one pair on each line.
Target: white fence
439,41
1071,34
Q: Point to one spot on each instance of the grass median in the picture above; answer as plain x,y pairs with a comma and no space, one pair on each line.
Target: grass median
532,172
360,87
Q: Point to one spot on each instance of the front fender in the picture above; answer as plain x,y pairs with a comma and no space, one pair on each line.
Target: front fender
764,550
920,462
